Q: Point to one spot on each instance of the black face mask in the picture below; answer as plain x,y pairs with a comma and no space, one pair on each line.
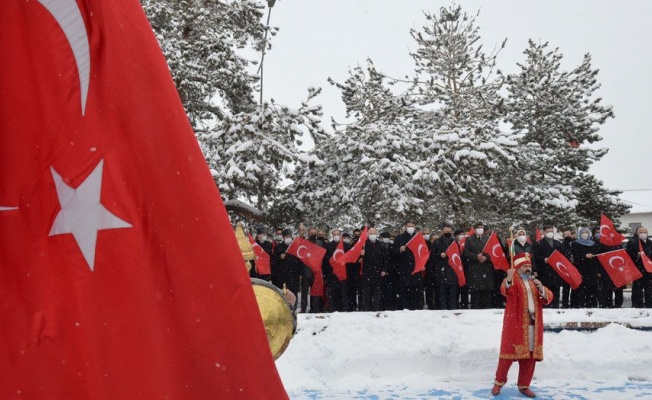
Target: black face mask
313,237
448,235
568,239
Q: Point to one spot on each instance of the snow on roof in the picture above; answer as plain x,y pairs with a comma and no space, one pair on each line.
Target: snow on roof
640,200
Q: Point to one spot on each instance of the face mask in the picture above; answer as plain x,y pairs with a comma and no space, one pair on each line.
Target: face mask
549,235
410,230
347,240
287,241
479,231
312,237
426,237
521,239
336,238
391,241
568,239
460,237
642,236
448,235
373,237
584,236
279,238
262,238
385,240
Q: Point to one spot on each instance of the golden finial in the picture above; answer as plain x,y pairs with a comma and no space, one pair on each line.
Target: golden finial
245,247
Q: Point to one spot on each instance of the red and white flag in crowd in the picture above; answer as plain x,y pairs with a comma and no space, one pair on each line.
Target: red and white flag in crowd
538,234
647,263
353,255
120,268
608,234
262,261
619,267
471,232
565,269
419,249
339,268
496,253
455,262
312,255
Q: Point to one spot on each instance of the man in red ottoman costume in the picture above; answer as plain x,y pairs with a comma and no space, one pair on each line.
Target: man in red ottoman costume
522,337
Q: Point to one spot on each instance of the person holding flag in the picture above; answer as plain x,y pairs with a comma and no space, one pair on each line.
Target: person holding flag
543,248
446,280
288,267
480,278
522,333
411,283
374,268
263,251
639,248
584,253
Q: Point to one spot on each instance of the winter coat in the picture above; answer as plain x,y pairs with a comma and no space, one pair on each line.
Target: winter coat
374,262
481,275
444,273
405,261
542,250
286,270
634,250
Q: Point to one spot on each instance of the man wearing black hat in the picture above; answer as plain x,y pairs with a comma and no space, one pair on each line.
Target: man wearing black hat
288,269
411,284
480,278
261,240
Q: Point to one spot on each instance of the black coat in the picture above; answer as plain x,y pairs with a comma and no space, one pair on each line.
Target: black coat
481,275
374,261
443,271
405,261
634,250
286,271
542,250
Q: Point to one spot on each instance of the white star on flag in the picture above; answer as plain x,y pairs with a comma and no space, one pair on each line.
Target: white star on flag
82,214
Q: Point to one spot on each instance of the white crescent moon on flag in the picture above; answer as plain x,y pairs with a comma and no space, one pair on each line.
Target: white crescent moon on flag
616,258
8,208
419,250
493,250
601,228
299,251
68,16
559,267
456,261
338,251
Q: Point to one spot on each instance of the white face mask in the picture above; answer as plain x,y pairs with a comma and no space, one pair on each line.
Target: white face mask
336,238
584,236
549,235
385,240
287,241
262,238
521,239
479,231
642,236
347,240
373,237
460,237
279,238
426,237
410,230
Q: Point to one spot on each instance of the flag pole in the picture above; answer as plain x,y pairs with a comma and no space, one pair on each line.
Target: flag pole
511,247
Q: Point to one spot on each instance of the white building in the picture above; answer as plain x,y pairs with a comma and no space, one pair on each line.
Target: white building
641,211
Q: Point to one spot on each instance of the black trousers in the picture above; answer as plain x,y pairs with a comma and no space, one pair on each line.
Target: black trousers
481,299
371,293
642,292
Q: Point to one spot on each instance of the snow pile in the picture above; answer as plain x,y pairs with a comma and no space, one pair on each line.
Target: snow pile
337,355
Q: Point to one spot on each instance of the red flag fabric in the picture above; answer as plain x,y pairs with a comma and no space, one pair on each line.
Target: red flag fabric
121,276
262,261
565,269
311,255
471,232
538,235
455,261
619,267
496,253
353,255
608,234
647,263
419,248
339,268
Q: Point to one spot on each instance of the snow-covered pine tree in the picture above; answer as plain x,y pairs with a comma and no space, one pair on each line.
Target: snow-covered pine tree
248,145
556,111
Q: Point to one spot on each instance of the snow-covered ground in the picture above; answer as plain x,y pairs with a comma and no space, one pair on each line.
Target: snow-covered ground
453,355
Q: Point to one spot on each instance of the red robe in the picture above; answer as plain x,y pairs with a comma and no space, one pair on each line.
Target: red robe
514,341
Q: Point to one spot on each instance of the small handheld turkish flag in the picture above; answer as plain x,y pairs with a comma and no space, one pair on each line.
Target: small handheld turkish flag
565,269
262,261
608,234
647,263
496,253
419,248
619,267
455,262
353,255
471,232
120,274
311,255
339,268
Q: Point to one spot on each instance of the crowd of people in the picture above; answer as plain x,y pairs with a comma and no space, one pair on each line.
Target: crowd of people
382,278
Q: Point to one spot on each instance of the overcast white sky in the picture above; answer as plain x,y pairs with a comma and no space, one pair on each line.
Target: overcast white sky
318,39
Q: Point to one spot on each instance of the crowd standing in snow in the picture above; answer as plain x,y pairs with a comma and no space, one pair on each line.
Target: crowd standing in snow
382,277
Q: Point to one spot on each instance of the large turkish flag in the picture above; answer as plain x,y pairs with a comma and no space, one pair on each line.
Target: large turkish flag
311,255
608,234
419,249
496,253
120,275
455,262
619,267
565,269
